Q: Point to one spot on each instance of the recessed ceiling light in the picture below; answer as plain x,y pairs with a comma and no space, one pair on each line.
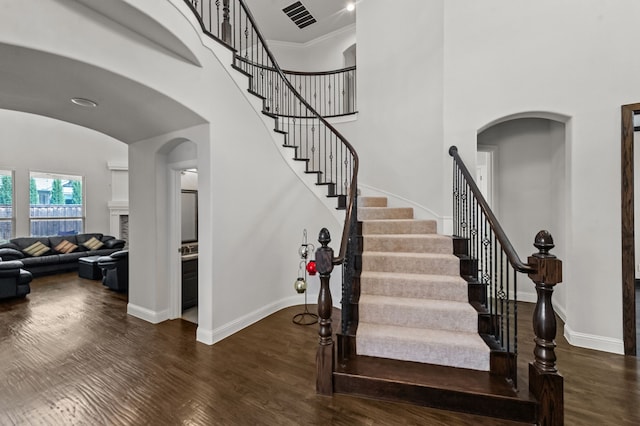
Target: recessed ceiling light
351,7
87,103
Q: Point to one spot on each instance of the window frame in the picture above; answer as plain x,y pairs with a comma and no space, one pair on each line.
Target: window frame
60,176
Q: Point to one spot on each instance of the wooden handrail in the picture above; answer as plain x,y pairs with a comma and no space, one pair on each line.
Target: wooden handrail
508,248
338,71
339,259
310,73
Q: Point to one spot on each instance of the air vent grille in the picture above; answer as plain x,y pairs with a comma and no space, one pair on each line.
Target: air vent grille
299,14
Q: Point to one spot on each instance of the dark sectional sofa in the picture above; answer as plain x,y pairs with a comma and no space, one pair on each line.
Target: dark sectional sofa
43,255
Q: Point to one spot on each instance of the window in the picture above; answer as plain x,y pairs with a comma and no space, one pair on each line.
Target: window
56,204
6,205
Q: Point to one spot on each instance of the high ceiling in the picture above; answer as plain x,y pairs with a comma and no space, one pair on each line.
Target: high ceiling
42,83
330,15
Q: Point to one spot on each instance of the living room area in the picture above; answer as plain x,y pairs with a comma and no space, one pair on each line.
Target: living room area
63,197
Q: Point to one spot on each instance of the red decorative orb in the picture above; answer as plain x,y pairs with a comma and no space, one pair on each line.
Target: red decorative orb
311,267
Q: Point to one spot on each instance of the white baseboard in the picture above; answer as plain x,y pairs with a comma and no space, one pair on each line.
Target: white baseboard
147,314
527,297
209,337
420,211
591,341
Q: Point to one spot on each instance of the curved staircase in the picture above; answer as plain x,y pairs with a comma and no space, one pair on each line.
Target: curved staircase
409,331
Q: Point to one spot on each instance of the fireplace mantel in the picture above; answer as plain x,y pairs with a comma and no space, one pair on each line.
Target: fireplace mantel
119,204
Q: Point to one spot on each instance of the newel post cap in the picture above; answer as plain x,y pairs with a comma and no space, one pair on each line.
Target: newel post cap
324,237
548,267
324,254
453,150
544,243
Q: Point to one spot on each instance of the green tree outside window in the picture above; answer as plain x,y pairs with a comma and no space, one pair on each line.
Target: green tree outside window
33,191
6,191
76,195
57,197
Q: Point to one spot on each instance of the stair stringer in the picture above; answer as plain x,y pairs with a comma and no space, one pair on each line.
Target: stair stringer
242,82
503,363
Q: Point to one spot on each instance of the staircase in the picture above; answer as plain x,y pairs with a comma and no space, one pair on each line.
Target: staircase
416,337
413,303
409,333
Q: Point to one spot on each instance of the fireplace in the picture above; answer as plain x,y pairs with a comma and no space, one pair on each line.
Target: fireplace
119,204
119,220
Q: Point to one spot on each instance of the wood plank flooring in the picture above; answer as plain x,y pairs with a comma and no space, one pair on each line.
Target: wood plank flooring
70,355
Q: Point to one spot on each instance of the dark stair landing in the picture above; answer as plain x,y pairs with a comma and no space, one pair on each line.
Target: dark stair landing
446,388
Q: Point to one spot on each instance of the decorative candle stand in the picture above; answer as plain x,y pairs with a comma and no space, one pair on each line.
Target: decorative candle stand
304,267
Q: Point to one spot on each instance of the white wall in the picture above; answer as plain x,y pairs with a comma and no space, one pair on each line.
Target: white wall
253,207
31,142
507,57
454,68
189,181
322,54
528,181
400,103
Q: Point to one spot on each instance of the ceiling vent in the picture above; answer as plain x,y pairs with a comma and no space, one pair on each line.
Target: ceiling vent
299,14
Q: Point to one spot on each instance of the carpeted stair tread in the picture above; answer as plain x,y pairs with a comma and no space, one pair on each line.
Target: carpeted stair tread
372,201
377,213
413,305
441,347
398,226
429,243
412,312
414,263
423,286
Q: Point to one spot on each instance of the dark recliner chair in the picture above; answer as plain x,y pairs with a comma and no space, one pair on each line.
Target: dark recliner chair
115,270
14,281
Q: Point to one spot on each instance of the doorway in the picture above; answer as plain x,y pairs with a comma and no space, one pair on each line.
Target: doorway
525,162
189,244
182,221
629,314
485,169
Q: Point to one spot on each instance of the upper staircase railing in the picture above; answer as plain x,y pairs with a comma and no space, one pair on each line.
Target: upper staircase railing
331,93
494,267
326,152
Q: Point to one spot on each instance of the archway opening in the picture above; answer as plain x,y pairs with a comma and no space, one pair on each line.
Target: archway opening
524,161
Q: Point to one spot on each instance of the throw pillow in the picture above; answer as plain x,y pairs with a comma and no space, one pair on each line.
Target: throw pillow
65,247
93,243
36,249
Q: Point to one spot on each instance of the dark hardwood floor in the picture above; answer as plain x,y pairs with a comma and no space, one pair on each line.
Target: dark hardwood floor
69,354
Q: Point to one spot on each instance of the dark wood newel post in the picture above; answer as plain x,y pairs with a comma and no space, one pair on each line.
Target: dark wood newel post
544,381
226,25
325,354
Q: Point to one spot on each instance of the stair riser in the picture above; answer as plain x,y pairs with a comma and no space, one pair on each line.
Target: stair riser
419,352
398,287
398,227
379,213
441,265
437,397
417,318
372,201
426,244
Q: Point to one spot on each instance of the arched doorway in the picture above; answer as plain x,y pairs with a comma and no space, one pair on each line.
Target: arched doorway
182,206
528,180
